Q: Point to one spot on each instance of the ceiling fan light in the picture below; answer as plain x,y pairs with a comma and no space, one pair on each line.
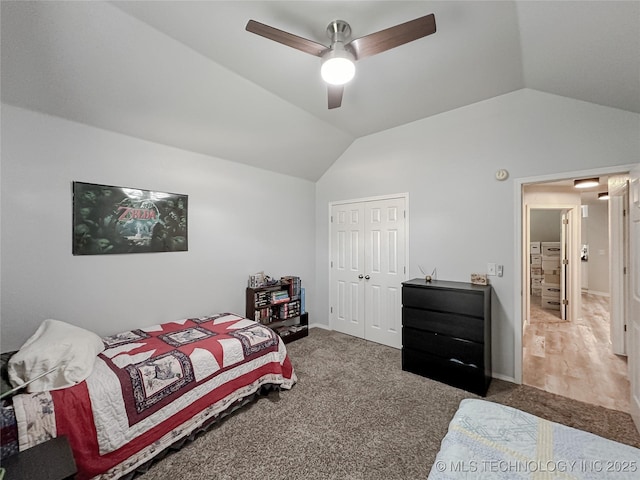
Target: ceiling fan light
338,67
603,196
586,183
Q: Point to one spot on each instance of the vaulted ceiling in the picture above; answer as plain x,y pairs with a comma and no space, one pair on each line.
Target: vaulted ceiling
187,74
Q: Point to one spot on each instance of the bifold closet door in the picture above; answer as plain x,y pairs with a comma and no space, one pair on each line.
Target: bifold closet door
368,268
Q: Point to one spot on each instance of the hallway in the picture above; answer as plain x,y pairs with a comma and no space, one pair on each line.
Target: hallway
575,360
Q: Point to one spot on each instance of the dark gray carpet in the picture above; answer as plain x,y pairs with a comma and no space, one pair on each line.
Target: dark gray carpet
354,414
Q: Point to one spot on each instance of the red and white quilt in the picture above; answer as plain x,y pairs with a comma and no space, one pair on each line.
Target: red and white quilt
152,386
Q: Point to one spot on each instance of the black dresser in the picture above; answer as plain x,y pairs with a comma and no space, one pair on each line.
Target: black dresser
446,332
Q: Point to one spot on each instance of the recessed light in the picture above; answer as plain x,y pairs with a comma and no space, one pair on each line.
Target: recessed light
603,196
586,182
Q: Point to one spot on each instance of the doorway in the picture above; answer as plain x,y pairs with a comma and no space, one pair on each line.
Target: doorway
594,302
551,240
550,254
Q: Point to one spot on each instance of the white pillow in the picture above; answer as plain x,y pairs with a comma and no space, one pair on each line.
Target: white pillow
55,344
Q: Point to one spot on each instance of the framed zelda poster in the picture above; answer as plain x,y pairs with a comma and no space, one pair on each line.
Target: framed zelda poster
108,219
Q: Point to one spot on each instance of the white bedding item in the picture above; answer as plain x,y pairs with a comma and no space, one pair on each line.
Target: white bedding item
491,441
71,349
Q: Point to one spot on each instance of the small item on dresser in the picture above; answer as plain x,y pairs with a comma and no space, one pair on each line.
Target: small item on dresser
479,279
428,278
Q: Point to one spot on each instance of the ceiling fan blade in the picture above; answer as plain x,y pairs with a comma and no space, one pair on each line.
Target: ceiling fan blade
288,39
335,95
393,37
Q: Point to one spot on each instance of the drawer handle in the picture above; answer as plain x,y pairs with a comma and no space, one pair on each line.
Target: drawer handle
455,360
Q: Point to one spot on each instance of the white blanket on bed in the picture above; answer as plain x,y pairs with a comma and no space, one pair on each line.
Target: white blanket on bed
491,441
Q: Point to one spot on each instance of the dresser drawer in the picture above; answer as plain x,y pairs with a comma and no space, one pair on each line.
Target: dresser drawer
455,374
470,328
443,300
445,347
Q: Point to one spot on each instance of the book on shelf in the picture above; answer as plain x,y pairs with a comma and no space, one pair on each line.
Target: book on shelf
294,284
284,331
279,296
263,315
290,310
278,302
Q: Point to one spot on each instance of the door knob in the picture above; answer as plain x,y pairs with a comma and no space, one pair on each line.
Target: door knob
367,277
360,276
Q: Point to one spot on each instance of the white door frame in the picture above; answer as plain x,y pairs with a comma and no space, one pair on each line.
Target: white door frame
405,196
634,292
519,290
618,262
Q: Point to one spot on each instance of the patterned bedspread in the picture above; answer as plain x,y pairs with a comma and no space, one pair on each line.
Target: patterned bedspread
153,386
491,441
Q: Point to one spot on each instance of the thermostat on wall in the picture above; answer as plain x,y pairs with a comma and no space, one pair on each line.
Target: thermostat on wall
502,174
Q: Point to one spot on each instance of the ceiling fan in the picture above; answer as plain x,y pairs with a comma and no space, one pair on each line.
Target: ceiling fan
338,59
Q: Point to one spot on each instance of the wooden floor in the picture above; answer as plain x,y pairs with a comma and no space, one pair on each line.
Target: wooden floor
575,360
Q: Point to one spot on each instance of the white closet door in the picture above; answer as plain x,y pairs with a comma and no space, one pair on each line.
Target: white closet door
564,261
347,264
368,268
384,270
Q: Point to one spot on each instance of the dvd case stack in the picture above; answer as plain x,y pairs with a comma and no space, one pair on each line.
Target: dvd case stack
289,310
295,285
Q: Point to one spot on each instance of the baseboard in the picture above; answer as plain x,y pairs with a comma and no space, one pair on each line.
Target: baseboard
594,292
319,325
506,378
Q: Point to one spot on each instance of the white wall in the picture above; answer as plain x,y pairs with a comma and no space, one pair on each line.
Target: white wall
241,220
545,225
460,216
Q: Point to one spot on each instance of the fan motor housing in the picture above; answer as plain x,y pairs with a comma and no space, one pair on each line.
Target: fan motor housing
339,31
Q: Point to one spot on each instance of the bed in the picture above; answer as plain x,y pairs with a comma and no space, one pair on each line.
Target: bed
492,441
152,387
